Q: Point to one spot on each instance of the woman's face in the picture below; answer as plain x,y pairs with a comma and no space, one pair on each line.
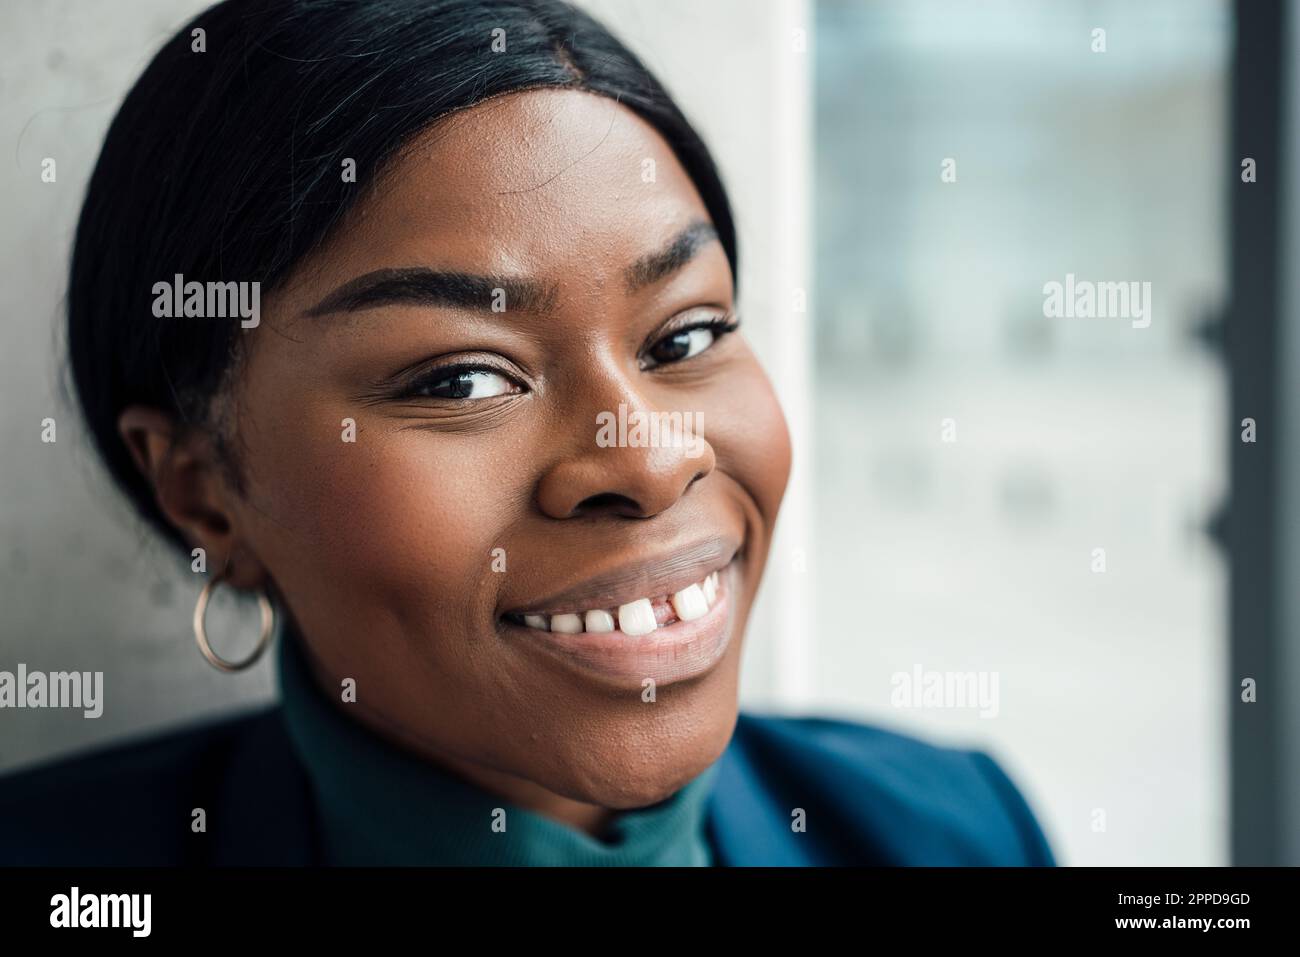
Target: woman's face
487,476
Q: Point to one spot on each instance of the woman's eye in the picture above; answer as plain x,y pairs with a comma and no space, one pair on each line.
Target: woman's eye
467,384
682,345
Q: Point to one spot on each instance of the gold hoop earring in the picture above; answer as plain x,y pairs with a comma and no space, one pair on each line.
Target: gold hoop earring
201,632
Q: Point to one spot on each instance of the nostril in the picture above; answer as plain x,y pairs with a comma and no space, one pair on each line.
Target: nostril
607,501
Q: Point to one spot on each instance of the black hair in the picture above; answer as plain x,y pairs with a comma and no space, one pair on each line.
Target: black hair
226,165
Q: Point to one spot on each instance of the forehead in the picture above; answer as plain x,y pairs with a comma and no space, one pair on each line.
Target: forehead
544,182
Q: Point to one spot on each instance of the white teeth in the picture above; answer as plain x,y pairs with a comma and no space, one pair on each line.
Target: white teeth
566,624
636,617
690,603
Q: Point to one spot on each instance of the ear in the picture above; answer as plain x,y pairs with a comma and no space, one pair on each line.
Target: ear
191,490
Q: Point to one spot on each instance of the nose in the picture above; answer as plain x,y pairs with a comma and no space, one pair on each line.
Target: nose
616,468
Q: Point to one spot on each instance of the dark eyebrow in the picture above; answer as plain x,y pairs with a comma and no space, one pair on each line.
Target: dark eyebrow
680,250
419,285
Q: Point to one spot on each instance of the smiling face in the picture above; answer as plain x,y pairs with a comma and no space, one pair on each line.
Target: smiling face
501,558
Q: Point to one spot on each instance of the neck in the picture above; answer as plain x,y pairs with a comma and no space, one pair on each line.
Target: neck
589,818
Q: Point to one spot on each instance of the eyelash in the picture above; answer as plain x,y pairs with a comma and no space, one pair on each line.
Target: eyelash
720,325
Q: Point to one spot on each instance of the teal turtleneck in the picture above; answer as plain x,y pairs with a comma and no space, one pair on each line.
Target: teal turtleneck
381,804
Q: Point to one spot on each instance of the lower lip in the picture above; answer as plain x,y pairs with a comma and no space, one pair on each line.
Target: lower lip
676,652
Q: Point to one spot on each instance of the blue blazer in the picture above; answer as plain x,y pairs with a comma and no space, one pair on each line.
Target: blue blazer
872,797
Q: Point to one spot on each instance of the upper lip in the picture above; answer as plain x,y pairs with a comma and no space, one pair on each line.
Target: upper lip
650,577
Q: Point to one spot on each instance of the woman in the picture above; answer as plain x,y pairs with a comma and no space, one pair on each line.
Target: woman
416,319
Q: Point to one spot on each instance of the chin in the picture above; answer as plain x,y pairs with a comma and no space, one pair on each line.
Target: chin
648,762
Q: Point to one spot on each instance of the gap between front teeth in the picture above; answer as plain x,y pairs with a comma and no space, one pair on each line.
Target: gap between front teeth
635,618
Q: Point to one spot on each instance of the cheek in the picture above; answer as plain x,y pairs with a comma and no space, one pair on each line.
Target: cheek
397,514
750,437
